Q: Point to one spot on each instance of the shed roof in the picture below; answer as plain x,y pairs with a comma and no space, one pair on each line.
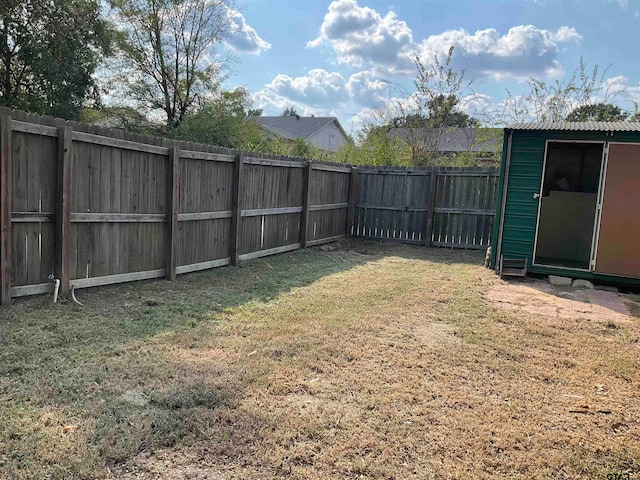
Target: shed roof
579,126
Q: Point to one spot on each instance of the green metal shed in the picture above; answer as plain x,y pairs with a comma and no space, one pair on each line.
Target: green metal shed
568,200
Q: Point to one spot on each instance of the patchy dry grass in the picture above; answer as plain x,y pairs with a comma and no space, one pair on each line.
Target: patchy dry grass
373,361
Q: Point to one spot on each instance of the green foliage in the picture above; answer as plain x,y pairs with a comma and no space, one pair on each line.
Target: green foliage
599,112
562,100
166,53
222,121
375,147
49,51
289,112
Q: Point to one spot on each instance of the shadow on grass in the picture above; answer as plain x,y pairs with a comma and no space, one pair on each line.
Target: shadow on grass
77,361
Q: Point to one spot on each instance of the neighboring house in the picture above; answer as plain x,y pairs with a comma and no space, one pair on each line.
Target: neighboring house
325,133
484,143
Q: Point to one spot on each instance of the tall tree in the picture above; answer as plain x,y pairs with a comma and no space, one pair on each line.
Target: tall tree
222,120
599,112
433,108
49,50
166,49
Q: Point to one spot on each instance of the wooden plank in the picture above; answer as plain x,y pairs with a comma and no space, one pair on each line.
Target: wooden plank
431,207
331,168
119,143
306,197
33,217
236,208
274,163
34,128
120,278
5,210
173,209
270,251
188,217
214,157
195,267
459,245
397,208
353,194
319,241
63,217
118,218
465,211
257,212
328,206
26,290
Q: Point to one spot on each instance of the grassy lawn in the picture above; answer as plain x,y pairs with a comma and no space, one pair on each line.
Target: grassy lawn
370,361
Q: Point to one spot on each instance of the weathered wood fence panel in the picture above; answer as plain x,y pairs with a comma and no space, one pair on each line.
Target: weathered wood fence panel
434,207
93,206
328,203
464,209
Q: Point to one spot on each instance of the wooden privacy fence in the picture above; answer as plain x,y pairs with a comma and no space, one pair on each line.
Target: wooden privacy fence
441,207
93,206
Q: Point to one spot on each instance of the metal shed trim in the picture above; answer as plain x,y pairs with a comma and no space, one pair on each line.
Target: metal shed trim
578,126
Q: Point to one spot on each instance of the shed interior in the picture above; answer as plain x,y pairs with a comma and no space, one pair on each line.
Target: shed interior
567,212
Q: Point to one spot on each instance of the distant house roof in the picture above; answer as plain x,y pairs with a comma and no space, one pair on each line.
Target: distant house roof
454,139
296,126
579,126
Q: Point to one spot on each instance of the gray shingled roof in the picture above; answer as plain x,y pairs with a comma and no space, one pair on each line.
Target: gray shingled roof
292,127
458,139
579,126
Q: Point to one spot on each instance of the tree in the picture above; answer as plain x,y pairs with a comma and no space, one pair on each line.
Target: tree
49,51
433,108
599,112
222,120
166,52
289,112
584,92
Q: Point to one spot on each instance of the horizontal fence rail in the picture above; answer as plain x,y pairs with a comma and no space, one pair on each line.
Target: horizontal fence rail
441,207
94,206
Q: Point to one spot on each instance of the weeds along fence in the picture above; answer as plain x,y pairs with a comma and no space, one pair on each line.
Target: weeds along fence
93,206
440,207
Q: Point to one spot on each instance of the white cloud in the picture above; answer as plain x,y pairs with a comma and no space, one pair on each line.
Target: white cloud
367,89
363,38
242,37
522,52
625,94
317,88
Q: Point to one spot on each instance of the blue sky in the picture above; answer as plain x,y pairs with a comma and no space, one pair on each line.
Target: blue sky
337,57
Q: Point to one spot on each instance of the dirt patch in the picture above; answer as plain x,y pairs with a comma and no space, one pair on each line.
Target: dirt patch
542,298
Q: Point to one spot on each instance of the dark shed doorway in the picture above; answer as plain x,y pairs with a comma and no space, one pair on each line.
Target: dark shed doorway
567,210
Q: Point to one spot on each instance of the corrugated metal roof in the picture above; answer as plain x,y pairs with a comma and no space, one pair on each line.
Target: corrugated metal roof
579,126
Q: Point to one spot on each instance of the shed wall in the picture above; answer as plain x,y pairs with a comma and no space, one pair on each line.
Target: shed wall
521,209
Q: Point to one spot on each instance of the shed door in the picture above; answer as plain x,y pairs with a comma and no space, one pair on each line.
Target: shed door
618,250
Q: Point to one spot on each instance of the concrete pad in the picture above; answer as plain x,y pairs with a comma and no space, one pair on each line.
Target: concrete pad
560,281
580,283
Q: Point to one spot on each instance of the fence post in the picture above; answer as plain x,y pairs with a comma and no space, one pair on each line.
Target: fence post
63,207
5,209
431,206
172,211
351,209
306,197
236,208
